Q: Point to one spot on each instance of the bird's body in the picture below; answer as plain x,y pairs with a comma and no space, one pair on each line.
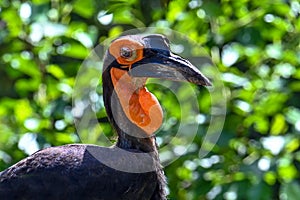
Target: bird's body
62,173
128,170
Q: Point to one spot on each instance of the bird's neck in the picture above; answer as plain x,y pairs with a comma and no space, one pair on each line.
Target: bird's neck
126,141
123,104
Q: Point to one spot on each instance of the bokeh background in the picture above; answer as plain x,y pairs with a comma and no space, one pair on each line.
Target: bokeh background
254,44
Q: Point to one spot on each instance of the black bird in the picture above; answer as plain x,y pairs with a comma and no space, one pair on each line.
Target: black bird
128,170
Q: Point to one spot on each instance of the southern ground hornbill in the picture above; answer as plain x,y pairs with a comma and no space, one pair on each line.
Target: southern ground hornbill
128,170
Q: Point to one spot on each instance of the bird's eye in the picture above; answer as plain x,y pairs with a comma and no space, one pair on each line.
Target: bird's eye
126,52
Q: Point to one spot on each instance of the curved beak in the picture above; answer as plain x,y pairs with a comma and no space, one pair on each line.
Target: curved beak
159,63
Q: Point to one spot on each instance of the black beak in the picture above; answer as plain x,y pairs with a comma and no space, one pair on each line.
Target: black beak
161,63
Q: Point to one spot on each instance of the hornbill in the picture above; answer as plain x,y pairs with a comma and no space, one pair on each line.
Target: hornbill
128,170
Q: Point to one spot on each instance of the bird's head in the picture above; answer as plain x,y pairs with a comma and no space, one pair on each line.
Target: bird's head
129,61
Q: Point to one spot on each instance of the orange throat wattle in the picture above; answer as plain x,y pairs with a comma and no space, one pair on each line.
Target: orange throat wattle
139,105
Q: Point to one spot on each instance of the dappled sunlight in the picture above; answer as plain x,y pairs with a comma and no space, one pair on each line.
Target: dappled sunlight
28,143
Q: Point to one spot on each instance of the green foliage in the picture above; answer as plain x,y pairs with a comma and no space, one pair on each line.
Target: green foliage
254,44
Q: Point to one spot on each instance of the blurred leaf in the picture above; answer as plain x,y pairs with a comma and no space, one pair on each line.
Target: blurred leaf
40,1
270,178
22,110
287,172
184,173
293,145
56,71
75,50
85,8
278,125
13,21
